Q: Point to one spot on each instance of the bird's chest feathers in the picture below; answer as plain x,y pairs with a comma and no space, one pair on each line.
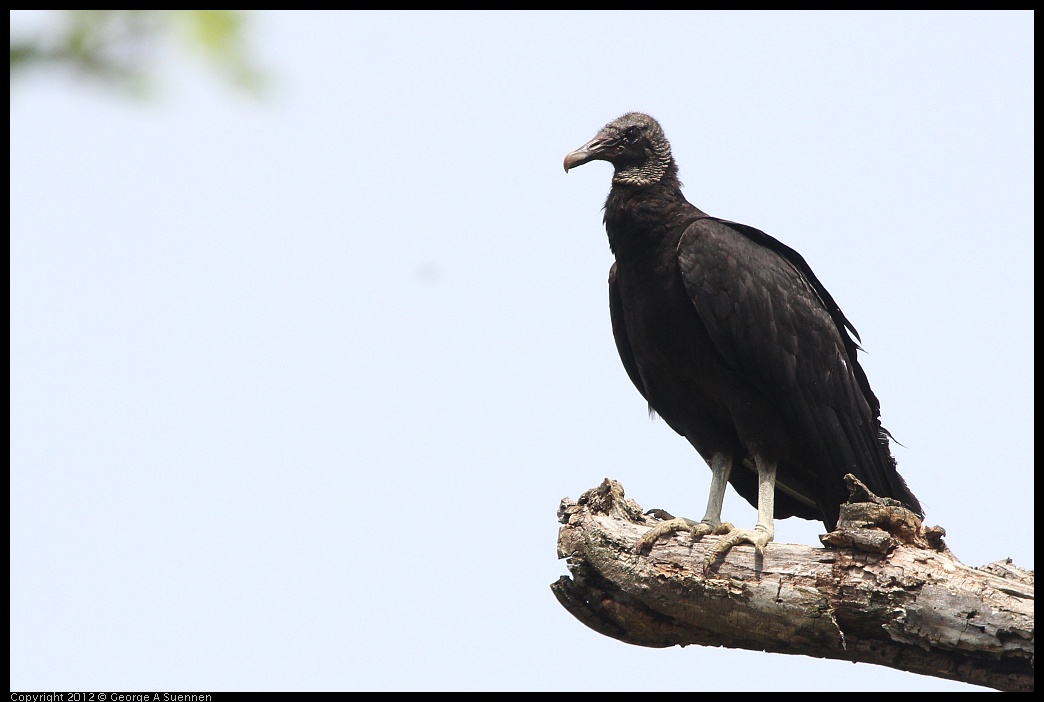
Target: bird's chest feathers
668,340
637,226
662,323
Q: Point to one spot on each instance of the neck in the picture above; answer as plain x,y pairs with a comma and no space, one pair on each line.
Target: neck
649,171
632,224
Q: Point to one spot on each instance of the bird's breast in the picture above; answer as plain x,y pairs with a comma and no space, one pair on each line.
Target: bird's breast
671,347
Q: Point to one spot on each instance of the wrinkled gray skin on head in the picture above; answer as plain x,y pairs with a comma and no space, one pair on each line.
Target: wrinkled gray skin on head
634,144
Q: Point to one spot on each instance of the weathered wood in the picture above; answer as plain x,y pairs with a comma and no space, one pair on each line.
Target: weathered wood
893,596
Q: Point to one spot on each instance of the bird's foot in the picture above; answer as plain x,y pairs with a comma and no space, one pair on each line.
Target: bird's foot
759,536
675,525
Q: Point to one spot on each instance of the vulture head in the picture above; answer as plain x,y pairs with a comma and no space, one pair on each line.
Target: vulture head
634,144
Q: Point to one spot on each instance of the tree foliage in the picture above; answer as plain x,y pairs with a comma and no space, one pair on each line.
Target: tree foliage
120,49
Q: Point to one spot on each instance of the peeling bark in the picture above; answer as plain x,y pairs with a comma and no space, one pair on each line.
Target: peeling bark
884,590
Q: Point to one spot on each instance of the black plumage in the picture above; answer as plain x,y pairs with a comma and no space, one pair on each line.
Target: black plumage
735,343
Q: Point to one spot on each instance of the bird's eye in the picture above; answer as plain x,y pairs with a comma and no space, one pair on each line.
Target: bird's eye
631,135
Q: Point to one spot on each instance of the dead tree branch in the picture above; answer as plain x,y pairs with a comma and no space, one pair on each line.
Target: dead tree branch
884,590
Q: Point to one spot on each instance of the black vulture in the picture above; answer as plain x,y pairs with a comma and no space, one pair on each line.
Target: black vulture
733,341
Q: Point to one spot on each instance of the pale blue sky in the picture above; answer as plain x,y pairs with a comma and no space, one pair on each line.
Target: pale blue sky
298,383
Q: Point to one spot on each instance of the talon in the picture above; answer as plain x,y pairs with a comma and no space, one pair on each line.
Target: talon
671,526
758,536
723,528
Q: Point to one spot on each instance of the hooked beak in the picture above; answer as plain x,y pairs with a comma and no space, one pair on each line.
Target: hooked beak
590,151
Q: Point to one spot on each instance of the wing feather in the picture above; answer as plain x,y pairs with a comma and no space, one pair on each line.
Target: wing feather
778,329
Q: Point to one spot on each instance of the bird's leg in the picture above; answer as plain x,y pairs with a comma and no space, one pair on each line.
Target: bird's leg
720,465
763,531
